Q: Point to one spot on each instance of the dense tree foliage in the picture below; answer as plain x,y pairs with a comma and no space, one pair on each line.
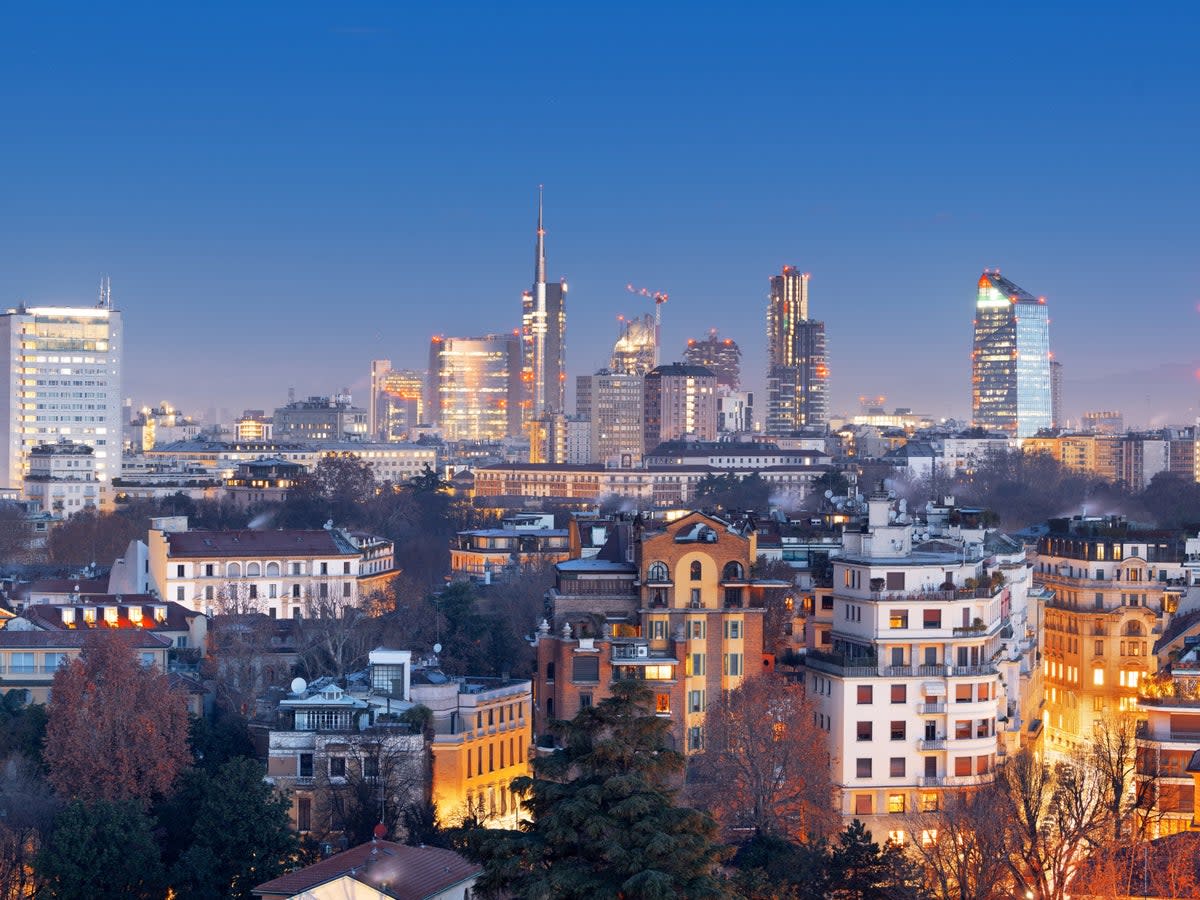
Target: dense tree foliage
101,849
604,819
22,727
116,730
27,810
732,492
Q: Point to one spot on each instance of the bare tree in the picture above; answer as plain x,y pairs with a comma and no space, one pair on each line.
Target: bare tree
1055,814
962,845
765,766
378,778
27,809
239,661
335,635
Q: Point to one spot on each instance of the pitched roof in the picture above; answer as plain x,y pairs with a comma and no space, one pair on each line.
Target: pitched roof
395,870
49,615
20,640
246,543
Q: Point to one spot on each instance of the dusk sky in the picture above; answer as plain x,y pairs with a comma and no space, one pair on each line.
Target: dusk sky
283,192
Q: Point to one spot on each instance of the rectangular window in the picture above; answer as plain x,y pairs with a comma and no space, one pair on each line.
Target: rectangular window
337,767
732,664
324,568
304,813
982,765
864,804
179,594
208,592
585,668
962,765
862,767
345,568
895,802
1098,677
898,729
895,581
696,629
865,693
929,802
658,630
864,731
179,571
896,767
662,704
931,767
962,729
696,701
296,591
899,693
697,664
898,618
733,630
345,589
962,693
306,765
208,570
585,701
254,592
695,599
932,618
695,738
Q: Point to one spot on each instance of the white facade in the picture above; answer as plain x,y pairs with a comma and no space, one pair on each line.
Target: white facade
63,371
62,478
923,676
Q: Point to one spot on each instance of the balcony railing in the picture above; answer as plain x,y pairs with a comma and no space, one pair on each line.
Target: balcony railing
982,593
931,709
931,744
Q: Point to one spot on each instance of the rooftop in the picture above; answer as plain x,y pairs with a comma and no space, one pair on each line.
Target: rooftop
283,542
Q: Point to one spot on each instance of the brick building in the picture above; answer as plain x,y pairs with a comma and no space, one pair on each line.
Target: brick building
671,605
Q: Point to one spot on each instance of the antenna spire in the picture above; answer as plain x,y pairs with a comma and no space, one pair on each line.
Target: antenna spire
105,292
539,270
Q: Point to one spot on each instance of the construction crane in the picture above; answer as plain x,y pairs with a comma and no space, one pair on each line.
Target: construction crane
659,298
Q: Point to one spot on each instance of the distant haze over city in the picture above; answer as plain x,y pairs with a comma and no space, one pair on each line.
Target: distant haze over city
280,201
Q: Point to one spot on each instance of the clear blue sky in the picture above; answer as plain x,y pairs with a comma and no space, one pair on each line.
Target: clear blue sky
282,192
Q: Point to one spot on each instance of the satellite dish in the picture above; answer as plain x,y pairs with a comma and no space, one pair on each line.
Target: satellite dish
437,648
828,495
299,685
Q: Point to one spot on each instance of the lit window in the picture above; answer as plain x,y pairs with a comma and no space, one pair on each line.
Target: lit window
1097,677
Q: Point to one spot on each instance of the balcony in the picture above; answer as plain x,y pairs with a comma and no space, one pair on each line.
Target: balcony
931,709
931,744
983,593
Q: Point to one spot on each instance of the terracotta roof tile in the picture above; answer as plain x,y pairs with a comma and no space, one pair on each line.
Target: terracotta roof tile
246,543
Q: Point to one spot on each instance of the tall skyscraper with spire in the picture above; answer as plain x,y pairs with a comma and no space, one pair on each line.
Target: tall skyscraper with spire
543,350
1010,362
797,368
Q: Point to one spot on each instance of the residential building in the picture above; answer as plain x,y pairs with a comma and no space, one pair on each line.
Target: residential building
62,478
254,425
680,402
160,424
321,419
281,573
62,367
475,387
797,363
1168,744
30,657
487,554
613,403
266,480
735,411
1110,590
721,356
673,606
1010,376
379,870
920,660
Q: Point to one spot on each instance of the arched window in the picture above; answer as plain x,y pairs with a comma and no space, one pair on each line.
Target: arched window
253,570
696,570
657,572
272,570
234,570
732,572
1133,627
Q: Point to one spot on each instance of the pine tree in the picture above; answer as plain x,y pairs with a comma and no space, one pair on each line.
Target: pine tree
604,821
101,850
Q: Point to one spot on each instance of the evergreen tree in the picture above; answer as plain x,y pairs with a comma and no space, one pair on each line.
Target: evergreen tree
605,824
860,869
104,849
240,837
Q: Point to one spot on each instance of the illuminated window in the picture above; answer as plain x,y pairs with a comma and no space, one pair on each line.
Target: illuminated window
895,803
1098,677
898,618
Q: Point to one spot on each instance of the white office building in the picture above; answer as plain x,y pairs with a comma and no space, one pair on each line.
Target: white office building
63,371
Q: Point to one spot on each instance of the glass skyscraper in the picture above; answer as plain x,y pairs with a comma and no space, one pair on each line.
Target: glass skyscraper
797,365
1010,371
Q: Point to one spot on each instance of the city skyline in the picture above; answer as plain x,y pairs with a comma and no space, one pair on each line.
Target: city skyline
330,230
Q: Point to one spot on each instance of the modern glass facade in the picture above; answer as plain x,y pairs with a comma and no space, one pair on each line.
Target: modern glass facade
798,370
473,387
1010,376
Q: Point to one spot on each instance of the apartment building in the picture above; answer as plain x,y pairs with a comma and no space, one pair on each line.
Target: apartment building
920,661
672,605
1111,589
280,573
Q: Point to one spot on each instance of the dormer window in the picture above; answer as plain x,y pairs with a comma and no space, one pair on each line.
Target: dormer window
110,616
135,615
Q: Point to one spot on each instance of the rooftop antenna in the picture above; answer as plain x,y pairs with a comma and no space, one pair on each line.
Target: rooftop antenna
105,301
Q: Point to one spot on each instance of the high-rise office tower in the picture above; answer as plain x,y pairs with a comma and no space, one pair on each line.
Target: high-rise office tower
543,338
1056,385
797,365
680,403
474,384
63,372
397,401
636,347
1010,371
613,404
722,356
